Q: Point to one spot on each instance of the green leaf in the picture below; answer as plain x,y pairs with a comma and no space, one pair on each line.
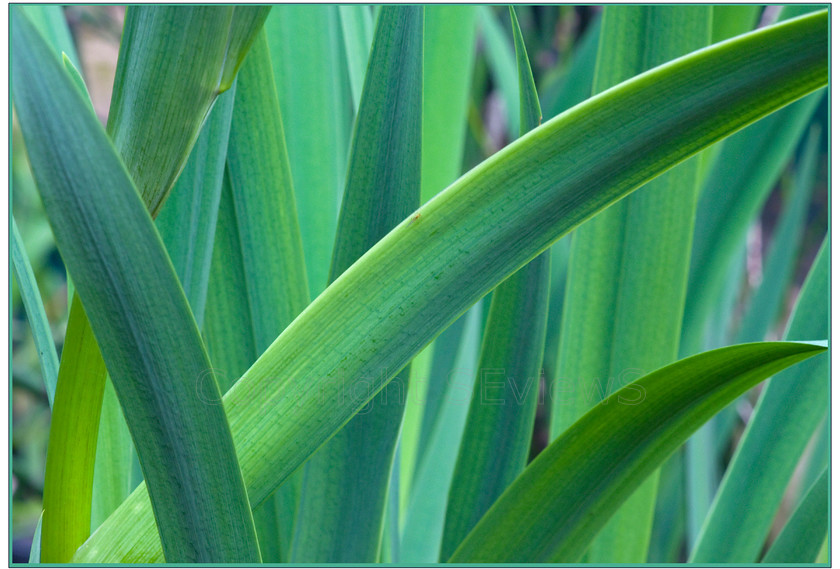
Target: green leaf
530,114
187,224
669,516
245,24
357,31
497,437
114,449
508,209
71,452
311,79
35,549
788,412
751,161
628,266
168,74
50,21
269,244
112,468
232,348
818,458
768,300
502,60
38,323
448,57
575,84
76,76
138,312
261,186
731,20
339,519
444,355
801,538
556,507
424,524
153,146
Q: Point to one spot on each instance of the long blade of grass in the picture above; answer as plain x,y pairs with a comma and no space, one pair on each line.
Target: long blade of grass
443,354
263,196
346,482
669,516
112,467
768,300
70,496
497,437
788,412
509,209
576,87
246,22
38,323
232,352
71,452
82,374
818,458
727,21
420,539
629,266
801,538
269,238
448,59
556,507
311,77
502,61
357,31
199,499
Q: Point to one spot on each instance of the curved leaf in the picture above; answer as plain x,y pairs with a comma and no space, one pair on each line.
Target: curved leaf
156,53
556,507
38,323
508,209
787,414
262,229
138,313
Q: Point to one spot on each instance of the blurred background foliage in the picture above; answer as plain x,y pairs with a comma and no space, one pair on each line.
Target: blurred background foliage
559,39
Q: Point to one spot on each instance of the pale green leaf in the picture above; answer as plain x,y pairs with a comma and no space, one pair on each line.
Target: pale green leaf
315,101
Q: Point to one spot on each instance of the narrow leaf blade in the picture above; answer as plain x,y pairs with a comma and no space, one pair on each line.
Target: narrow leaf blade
563,498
